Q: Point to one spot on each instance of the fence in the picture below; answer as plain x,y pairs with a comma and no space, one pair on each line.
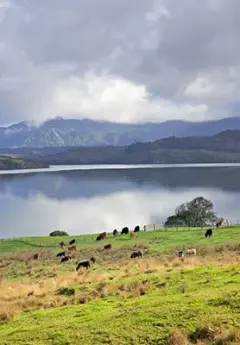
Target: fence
162,227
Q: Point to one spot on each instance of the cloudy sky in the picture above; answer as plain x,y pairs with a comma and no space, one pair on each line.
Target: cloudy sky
124,61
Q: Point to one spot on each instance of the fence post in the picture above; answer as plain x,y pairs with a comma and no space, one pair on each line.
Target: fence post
144,228
154,228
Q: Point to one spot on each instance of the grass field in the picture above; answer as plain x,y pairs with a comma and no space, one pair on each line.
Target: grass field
157,300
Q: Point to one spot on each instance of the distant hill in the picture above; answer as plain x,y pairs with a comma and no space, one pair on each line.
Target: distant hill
60,132
223,147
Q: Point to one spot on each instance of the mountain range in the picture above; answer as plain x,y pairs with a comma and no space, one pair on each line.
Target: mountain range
59,132
223,147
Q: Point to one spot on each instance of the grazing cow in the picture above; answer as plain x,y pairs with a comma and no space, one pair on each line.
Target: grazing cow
93,259
66,258
101,236
72,248
36,256
107,247
208,233
72,242
85,264
115,232
62,244
125,231
180,253
60,254
136,254
132,235
137,228
191,251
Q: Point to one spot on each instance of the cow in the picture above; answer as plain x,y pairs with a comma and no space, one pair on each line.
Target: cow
192,251
66,258
60,254
62,244
93,260
107,247
125,231
72,248
36,256
208,233
137,228
132,235
85,264
72,242
101,236
115,232
180,253
136,254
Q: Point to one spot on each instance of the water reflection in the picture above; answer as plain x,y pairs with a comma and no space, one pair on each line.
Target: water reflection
92,201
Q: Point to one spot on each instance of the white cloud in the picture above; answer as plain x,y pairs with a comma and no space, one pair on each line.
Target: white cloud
128,61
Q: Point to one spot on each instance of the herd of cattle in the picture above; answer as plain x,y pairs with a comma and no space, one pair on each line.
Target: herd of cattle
87,263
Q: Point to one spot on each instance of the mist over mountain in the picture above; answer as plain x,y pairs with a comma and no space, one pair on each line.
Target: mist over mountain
61,132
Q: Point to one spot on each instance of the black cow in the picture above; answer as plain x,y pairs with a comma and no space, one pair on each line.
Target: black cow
125,231
60,254
107,247
93,259
66,258
85,264
62,244
115,232
136,254
208,233
137,228
72,242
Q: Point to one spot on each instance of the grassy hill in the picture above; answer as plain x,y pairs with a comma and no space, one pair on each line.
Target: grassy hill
157,299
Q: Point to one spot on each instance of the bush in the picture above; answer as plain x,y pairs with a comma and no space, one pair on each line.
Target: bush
58,233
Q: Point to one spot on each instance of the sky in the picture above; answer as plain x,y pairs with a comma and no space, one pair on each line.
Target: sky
125,61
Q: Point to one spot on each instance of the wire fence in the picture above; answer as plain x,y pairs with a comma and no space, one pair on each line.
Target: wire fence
180,227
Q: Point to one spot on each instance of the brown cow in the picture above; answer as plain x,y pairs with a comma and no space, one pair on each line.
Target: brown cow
36,256
107,247
72,248
101,236
132,235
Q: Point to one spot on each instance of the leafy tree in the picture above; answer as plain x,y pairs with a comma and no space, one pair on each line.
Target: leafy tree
58,233
196,213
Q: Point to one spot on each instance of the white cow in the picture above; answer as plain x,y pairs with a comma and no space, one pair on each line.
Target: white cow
192,251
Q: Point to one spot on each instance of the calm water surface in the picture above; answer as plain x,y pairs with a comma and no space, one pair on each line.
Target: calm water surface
107,197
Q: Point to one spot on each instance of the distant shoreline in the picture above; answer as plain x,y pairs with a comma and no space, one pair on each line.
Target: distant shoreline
72,167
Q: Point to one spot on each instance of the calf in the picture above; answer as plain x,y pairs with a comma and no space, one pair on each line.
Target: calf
36,256
85,264
208,233
66,259
72,242
125,231
72,248
132,235
60,254
136,254
107,247
137,228
191,251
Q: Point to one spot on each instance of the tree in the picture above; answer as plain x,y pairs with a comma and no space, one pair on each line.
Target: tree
196,213
58,233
